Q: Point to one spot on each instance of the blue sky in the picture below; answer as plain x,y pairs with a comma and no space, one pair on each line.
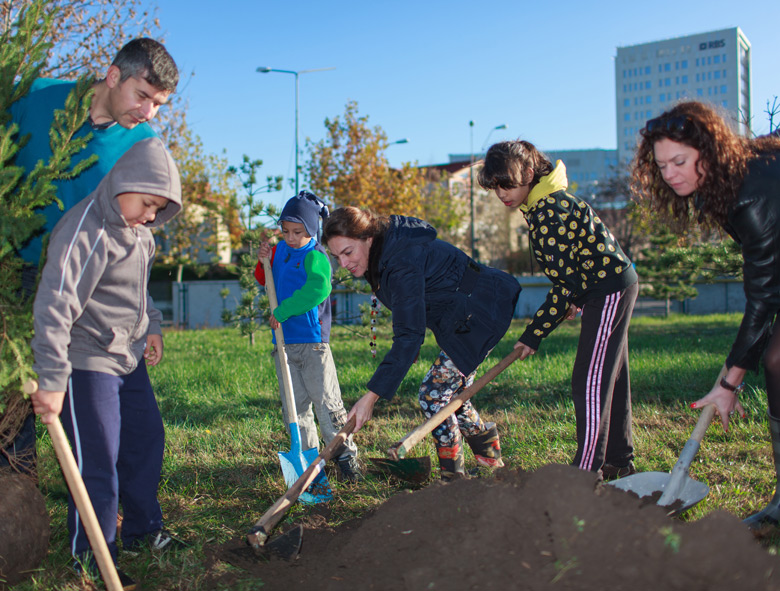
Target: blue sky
422,70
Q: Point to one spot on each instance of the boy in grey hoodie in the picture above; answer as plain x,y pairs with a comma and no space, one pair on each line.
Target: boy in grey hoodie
96,330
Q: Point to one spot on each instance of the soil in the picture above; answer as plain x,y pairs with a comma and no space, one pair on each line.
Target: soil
555,528
24,528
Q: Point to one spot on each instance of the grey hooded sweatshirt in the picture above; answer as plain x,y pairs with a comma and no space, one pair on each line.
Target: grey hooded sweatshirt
92,310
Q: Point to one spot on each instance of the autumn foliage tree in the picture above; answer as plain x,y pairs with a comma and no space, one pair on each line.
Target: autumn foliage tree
349,167
209,220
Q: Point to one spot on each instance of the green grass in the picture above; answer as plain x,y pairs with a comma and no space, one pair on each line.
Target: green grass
220,404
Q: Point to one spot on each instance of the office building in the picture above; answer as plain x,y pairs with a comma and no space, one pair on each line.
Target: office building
651,77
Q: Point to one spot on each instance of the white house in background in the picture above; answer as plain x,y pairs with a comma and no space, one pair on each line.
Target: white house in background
497,232
208,233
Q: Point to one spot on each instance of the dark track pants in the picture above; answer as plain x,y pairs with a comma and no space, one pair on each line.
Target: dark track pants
117,435
600,382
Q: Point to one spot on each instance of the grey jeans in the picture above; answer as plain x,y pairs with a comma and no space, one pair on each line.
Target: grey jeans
315,391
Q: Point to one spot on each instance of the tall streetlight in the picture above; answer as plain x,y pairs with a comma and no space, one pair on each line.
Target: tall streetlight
474,253
264,70
487,139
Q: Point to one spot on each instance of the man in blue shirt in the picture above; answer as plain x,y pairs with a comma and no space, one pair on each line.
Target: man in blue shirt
141,78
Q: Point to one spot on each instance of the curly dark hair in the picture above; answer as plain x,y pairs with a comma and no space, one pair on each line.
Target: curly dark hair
724,157
513,164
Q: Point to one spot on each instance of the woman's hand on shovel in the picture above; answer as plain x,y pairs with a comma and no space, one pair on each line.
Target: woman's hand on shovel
363,410
725,401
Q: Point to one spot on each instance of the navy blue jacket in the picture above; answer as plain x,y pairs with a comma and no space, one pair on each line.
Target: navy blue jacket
427,282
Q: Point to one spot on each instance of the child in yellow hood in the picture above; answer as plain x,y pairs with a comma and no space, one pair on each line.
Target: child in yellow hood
589,273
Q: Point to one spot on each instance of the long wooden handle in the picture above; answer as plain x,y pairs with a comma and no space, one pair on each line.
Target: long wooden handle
401,448
289,399
679,474
81,498
263,527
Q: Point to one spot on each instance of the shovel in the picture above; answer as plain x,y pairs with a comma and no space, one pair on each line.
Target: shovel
81,499
294,462
679,492
419,469
287,545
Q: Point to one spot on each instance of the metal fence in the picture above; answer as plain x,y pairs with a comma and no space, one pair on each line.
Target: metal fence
199,304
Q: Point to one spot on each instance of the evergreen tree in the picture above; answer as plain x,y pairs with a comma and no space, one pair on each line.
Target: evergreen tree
23,49
670,266
247,314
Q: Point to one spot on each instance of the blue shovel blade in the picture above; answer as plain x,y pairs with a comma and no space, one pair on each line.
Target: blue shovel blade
293,466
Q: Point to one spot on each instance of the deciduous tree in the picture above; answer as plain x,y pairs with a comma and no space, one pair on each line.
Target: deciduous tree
349,167
86,34
209,220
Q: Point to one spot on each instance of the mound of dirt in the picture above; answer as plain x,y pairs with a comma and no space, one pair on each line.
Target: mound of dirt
24,528
556,528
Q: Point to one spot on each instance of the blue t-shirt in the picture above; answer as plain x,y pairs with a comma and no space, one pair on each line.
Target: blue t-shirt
34,113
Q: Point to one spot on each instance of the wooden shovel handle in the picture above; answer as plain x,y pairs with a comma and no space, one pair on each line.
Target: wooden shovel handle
707,413
263,527
81,498
289,399
401,448
679,474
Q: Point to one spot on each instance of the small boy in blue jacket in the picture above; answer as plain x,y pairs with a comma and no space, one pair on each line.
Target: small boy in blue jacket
302,277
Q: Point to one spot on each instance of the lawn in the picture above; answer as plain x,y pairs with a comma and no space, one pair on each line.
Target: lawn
219,400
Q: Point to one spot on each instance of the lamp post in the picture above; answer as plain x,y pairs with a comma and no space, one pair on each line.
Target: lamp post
474,253
487,139
265,70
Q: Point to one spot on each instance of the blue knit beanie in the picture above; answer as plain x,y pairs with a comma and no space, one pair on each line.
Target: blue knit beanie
307,209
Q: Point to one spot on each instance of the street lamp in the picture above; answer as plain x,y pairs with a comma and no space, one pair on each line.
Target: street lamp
502,126
401,141
474,253
264,70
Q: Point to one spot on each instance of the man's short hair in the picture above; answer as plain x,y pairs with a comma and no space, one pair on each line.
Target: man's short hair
148,59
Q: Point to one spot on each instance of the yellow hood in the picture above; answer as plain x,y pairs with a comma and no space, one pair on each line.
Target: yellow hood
555,181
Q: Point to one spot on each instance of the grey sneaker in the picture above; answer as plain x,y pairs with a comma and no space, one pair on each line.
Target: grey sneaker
162,540
159,541
349,470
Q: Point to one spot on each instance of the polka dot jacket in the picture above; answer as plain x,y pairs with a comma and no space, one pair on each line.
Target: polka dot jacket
578,254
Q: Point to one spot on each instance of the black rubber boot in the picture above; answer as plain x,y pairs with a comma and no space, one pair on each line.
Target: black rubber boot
486,447
770,515
451,461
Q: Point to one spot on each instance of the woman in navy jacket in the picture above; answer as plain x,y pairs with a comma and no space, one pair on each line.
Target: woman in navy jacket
428,283
689,166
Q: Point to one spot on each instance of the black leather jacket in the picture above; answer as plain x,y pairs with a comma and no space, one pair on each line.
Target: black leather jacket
754,222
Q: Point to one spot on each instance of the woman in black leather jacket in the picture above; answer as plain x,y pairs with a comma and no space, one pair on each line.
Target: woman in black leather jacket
691,166
428,283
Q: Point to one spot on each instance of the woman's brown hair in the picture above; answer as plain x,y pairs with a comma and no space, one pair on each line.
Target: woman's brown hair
723,156
354,223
